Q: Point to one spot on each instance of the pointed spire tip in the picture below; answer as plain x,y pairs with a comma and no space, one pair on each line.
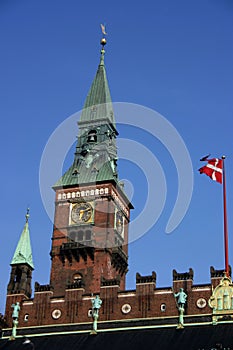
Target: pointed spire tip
27,215
103,42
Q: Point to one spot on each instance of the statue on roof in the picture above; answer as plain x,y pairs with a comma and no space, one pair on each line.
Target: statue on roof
182,296
16,309
15,317
180,303
96,305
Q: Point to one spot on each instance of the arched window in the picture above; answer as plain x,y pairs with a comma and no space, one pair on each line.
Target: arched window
78,279
18,275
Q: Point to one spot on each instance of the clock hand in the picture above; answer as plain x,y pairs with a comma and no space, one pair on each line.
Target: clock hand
82,210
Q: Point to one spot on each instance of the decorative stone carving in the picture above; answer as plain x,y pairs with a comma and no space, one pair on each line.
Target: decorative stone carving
126,308
221,301
56,314
201,303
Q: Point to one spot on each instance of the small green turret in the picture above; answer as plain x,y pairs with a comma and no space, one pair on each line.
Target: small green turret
22,265
23,252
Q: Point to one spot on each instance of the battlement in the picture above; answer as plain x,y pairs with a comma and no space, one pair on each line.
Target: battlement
146,301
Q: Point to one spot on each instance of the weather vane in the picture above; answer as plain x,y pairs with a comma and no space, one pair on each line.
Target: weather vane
103,29
103,40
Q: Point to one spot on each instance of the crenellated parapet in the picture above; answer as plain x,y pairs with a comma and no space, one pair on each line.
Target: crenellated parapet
110,282
146,279
184,276
145,301
217,275
182,280
43,287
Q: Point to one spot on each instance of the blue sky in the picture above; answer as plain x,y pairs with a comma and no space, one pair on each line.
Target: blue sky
173,57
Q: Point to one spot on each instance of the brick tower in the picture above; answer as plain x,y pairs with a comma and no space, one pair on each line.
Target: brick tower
90,236
89,250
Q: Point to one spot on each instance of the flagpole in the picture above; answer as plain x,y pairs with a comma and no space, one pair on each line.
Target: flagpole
225,219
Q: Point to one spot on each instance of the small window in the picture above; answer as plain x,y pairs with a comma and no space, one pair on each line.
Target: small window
89,313
26,316
77,277
163,307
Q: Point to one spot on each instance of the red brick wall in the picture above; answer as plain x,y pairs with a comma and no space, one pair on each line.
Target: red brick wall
145,302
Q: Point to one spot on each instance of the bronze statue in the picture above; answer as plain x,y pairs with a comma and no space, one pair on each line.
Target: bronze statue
182,296
15,317
181,301
96,305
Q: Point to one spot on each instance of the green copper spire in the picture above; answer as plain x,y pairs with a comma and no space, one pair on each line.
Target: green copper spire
98,104
23,252
96,153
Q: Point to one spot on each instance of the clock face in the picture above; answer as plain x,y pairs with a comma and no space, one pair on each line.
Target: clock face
81,213
119,223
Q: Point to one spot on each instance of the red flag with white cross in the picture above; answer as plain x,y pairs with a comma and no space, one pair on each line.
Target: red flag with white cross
213,168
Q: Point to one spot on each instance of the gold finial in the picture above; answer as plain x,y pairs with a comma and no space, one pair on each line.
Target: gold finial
103,41
27,215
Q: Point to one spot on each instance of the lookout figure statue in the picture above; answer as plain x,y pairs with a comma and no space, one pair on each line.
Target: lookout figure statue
182,296
180,302
96,305
15,317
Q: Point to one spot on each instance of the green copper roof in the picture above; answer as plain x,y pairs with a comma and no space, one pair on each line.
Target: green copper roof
84,175
23,252
99,94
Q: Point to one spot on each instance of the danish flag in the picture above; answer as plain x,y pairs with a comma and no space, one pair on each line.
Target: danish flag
213,168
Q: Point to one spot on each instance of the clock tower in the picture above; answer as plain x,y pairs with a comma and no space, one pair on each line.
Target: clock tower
92,211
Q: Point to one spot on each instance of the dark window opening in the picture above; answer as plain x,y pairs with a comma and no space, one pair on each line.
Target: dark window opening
88,235
92,137
18,275
77,277
80,236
